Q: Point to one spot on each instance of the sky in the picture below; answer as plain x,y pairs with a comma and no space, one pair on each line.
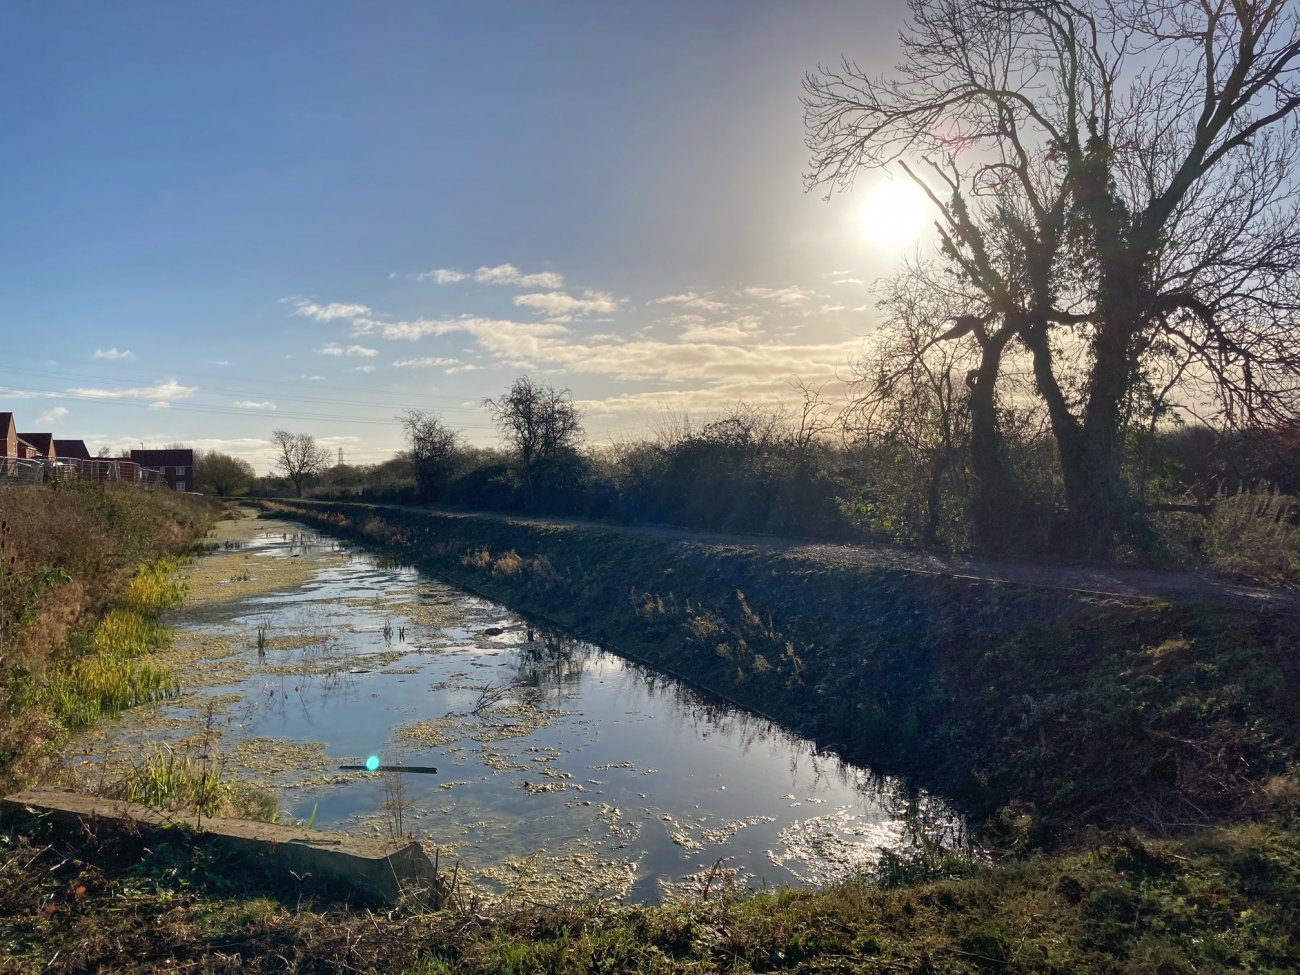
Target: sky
224,219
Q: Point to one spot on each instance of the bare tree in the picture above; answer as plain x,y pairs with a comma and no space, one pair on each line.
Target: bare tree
1115,183
538,422
909,390
299,457
433,449
814,420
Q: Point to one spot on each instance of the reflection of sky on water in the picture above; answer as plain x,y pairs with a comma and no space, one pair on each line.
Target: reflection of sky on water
645,769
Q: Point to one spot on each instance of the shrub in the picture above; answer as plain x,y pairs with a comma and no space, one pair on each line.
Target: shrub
1256,535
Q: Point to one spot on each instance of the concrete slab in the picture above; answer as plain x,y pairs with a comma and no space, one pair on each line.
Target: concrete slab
374,869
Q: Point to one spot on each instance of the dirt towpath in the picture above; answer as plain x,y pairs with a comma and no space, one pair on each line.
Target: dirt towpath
1117,581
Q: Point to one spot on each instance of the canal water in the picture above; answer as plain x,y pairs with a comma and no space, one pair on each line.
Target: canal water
562,769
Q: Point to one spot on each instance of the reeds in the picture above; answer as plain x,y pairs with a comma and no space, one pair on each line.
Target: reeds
168,779
156,587
107,677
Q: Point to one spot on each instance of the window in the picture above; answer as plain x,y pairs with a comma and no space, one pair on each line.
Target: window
180,472
180,485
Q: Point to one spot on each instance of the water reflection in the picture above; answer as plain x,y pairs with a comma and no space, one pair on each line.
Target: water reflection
562,768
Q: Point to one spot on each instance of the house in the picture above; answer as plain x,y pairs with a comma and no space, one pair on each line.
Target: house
8,436
71,449
176,465
12,443
41,443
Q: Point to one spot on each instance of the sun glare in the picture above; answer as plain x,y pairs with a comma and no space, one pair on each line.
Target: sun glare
894,213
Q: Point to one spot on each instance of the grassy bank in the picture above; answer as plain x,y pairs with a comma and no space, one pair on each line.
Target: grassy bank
1134,764
88,569
1042,713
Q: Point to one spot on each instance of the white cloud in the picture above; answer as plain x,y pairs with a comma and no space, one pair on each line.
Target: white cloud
336,350
426,362
328,313
845,277
782,296
509,274
691,299
248,404
161,404
716,359
499,274
113,353
218,362
51,415
363,368
743,330
463,367
162,392
420,327
442,275
556,303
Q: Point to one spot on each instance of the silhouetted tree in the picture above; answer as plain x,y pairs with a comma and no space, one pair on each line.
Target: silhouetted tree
432,452
298,457
1115,186
538,422
909,390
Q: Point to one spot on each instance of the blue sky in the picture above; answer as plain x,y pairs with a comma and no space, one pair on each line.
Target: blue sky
221,219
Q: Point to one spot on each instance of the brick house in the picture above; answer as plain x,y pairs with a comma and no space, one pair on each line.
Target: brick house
71,449
177,466
8,436
42,443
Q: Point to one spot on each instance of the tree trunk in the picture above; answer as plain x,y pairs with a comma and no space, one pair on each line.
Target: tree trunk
996,498
934,500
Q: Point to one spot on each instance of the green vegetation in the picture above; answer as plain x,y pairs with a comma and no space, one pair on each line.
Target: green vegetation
1132,764
1044,713
89,567
106,676
172,779
1219,902
893,466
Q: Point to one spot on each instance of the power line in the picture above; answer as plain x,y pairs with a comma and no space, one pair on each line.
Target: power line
143,402
115,382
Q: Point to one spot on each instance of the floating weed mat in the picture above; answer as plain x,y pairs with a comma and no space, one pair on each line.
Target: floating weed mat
105,676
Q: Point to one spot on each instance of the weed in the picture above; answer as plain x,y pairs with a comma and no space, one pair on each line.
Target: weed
1256,535
397,803
508,565
168,779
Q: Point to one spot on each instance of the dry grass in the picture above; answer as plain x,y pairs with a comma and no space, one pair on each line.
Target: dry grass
76,614
1256,535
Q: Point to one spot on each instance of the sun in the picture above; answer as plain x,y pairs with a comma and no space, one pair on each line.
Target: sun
894,213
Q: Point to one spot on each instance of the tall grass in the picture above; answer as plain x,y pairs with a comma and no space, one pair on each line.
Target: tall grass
168,780
105,675
1256,534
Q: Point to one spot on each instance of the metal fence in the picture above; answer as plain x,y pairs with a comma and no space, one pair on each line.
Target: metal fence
34,471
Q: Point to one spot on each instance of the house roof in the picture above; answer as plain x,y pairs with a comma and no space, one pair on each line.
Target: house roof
71,448
164,458
43,442
7,423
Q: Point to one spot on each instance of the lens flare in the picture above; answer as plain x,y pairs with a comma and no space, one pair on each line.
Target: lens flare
372,763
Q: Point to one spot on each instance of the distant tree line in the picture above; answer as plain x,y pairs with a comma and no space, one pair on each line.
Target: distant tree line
892,462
